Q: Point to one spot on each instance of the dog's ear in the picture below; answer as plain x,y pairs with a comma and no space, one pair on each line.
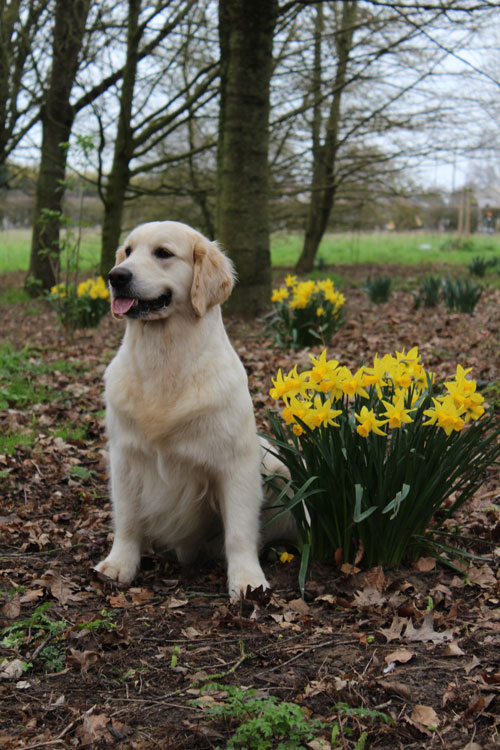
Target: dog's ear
213,276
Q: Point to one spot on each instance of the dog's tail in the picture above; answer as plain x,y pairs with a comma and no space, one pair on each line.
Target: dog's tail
283,528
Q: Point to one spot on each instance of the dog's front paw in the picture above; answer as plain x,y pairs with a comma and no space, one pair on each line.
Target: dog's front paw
240,578
118,569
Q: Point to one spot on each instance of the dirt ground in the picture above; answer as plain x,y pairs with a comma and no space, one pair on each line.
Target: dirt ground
110,665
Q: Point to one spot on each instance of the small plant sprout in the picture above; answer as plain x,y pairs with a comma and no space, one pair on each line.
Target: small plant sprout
378,288
461,296
175,655
428,292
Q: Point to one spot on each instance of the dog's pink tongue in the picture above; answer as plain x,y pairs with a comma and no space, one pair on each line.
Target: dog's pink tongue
122,305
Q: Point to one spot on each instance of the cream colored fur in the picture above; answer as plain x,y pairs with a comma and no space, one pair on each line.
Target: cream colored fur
184,453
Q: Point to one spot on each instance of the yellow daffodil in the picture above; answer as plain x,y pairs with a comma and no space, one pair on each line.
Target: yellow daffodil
368,422
290,385
375,375
352,385
321,367
322,414
446,414
396,413
286,557
296,409
279,294
291,280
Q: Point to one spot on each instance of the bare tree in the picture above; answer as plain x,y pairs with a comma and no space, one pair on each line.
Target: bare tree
22,46
144,128
57,115
246,40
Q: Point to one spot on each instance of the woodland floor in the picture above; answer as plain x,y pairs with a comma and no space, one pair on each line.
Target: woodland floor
367,639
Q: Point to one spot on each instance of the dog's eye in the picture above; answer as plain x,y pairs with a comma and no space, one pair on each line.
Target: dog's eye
160,252
128,250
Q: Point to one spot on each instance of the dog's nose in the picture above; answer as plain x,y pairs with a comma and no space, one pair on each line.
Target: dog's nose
119,277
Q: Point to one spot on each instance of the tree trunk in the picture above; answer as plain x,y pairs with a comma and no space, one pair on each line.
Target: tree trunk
119,176
324,155
242,223
57,115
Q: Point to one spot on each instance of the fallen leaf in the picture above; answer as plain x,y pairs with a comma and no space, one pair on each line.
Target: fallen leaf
483,576
12,670
424,564
393,633
191,632
402,655
12,608
375,578
173,603
398,688
59,586
425,715
472,664
369,597
299,605
83,660
426,632
453,649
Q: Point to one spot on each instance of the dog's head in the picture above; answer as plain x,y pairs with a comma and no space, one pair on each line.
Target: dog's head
166,267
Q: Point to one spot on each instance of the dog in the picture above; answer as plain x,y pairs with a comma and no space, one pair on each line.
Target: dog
185,459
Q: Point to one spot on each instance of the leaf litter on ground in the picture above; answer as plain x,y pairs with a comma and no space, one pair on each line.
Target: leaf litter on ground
117,684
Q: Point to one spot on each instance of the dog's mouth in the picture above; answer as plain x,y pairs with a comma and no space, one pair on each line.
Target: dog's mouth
133,307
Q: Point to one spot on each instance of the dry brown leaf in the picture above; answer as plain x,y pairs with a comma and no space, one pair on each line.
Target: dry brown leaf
426,632
83,660
299,606
375,578
174,603
59,586
12,670
398,688
402,655
453,649
12,608
369,597
483,576
425,715
191,632
474,662
393,633
424,564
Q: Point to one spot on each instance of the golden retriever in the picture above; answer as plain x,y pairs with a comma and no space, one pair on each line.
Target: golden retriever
183,448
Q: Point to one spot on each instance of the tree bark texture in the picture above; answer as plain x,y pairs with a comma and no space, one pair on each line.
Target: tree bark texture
323,185
119,176
242,222
57,115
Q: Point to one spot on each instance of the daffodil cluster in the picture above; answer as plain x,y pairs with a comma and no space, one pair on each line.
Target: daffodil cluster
393,387
93,288
306,312
373,453
80,306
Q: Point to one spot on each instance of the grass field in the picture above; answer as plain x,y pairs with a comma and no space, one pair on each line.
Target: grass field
15,247
345,248
406,248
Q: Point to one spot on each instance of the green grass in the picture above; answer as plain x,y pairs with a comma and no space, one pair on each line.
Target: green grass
20,372
15,250
406,248
23,382
345,248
